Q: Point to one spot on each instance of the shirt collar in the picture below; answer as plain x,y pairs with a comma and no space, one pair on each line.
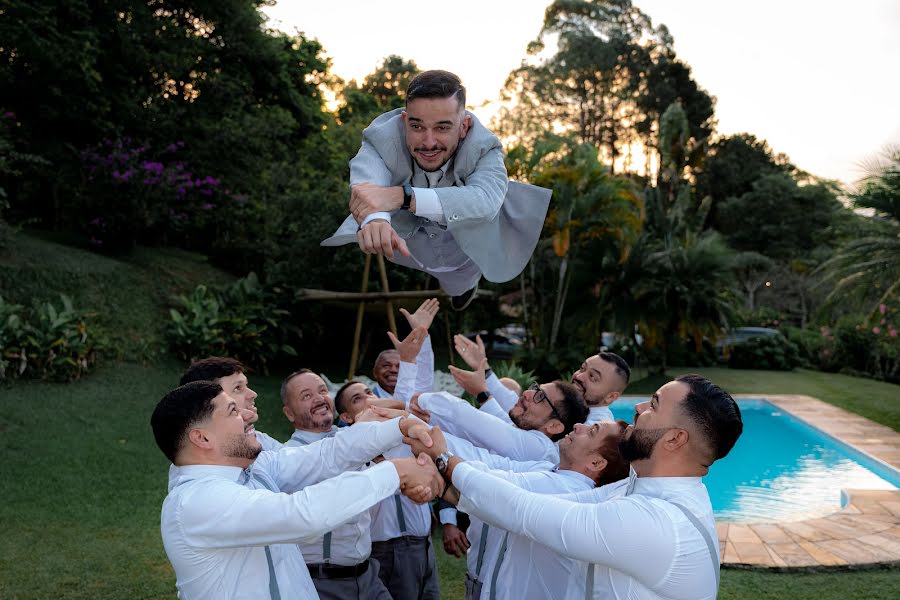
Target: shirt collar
190,472
308,437
575,475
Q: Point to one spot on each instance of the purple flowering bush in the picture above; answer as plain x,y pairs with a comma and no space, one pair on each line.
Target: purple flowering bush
133,194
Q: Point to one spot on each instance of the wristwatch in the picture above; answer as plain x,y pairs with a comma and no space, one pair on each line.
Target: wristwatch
443,461
482,397
407,195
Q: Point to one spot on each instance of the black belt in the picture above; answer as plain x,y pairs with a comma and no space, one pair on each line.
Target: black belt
325,571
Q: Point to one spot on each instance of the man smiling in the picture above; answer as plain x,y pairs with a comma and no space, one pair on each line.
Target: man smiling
429,183
234,514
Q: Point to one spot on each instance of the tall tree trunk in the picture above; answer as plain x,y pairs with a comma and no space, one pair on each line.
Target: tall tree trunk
558,305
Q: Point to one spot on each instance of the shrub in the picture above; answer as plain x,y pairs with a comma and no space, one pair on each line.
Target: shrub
815,347
46,342
514,371
238,320
773,352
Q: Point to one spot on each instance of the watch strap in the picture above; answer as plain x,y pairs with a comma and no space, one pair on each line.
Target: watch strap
407,195
482,397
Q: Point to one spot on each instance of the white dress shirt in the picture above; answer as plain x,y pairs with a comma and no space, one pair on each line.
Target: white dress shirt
597,414
455,415
349,543
416,377
526,569
639,545
504,396
217,523
385,519
266,441
492,407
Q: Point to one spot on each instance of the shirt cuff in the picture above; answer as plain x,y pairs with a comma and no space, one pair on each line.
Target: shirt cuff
447,516
377,215
429,206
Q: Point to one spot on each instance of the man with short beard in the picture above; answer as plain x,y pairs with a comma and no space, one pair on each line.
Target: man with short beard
601,379
232,519
339,561
542,415
519,569
649,537
429,182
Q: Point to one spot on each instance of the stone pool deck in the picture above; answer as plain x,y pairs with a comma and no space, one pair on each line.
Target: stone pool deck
866,532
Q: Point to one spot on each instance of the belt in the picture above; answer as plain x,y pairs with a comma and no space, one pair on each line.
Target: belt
405,539
325,571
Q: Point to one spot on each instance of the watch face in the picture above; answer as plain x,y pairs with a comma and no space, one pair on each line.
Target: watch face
441,463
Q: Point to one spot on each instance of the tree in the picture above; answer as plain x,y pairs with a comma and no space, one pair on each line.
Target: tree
867,268
611,76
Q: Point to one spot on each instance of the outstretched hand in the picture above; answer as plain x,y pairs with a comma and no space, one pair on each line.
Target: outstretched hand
411,344
424,315
473,382
419,478
471,352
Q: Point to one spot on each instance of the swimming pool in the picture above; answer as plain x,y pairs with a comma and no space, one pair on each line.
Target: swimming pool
783,469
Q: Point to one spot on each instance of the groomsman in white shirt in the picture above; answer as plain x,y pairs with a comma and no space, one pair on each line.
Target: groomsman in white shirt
231,375
339,561
522,569
601,379
649,537
401,529
226,527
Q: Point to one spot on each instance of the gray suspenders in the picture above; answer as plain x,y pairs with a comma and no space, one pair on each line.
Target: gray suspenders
326,539
274,592
483,540
713,555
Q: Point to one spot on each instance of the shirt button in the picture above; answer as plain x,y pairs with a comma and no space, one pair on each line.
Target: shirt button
431,235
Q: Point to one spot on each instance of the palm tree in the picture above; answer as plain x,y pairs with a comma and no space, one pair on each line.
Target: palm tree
868,267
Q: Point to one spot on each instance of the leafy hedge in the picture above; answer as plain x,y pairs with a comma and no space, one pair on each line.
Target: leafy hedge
240,320
773,353
45,342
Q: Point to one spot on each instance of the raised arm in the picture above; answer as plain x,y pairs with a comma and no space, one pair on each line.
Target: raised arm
458,417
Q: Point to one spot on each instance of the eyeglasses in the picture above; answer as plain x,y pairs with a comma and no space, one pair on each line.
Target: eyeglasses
539,396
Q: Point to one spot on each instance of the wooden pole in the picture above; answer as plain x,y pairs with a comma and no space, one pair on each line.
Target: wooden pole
308,295
354,352
382,272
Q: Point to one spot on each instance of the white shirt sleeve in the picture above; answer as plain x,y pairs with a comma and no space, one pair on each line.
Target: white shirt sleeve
467,451
231,515
293,468
406,382
429,206
447,516
491,407
613,533
376,215
425,367
455,415
504,396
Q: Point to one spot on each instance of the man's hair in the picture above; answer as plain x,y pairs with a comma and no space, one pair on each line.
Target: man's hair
178,411
211,368
339,397
287,380
616,465
572,408
714,412
384,353
622,368
436,84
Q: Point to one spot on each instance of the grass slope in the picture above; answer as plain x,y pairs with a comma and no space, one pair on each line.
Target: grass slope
127,298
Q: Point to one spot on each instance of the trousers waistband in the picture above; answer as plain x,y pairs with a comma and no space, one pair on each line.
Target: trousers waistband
326,571
405,539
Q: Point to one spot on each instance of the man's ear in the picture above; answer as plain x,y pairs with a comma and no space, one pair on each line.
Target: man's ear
596,466
403,116
676,438
288,413
464,126
200,439
346,418
611,397
553,427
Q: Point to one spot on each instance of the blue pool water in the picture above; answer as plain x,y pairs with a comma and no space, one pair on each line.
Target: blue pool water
782,469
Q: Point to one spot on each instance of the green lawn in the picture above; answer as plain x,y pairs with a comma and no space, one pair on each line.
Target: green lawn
83,483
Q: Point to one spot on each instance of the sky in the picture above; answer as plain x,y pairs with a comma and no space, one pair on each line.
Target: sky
817,79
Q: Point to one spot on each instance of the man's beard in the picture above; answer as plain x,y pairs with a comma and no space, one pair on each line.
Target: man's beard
639,446
311,423
241,448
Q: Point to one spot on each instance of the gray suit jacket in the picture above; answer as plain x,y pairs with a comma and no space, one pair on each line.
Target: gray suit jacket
496,222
